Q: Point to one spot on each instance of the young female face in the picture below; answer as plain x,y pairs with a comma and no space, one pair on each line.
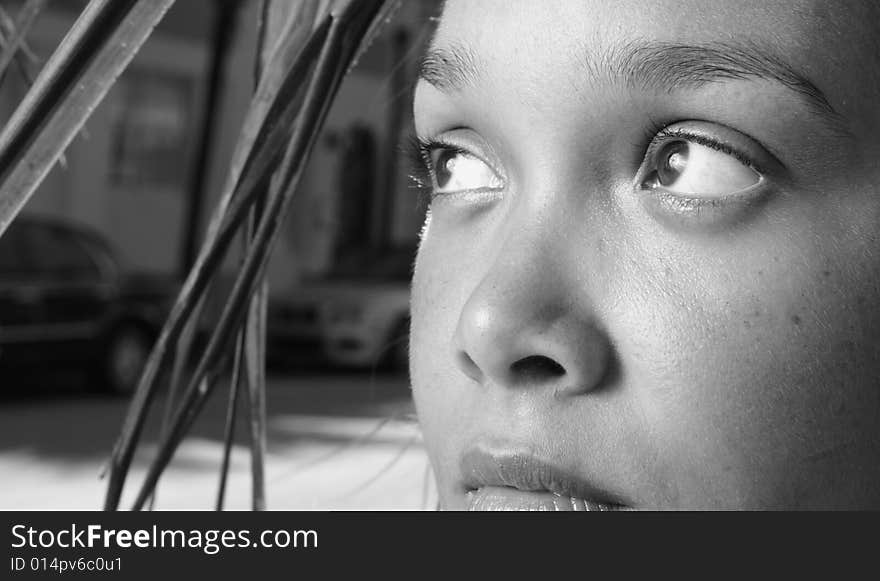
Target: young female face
650,275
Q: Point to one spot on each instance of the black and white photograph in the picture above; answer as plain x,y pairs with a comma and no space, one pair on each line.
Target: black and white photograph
439,256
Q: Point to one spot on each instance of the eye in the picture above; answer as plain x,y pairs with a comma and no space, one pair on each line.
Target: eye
683,166
454,169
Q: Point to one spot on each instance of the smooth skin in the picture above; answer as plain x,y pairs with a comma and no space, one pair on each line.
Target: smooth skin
709,344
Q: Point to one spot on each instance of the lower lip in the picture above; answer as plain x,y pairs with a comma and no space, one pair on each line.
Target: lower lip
505,498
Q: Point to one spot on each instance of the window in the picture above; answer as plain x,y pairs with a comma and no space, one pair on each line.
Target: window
59,253
32,250
12,261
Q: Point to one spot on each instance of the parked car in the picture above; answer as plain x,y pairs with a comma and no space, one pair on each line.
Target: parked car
358,317
67,303
294,330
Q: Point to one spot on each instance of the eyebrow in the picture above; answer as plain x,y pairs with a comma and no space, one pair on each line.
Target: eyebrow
449,69
652,66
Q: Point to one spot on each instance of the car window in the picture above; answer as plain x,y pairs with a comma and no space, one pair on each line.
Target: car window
44,251
12,253
58,253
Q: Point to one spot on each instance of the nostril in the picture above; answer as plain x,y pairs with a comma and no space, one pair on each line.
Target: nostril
536,369
469,367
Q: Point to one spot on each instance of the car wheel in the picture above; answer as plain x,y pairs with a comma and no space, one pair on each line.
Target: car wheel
125,355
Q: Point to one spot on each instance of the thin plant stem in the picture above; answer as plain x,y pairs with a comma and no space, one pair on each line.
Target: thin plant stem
273,113
333,63
252,348
15,43
231,413
82,69
231,212
25,59
255,362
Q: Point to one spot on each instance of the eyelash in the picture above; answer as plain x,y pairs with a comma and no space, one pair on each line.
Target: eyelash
421,171
665,135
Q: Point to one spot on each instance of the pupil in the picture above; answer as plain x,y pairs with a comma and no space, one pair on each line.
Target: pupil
673,161
443,167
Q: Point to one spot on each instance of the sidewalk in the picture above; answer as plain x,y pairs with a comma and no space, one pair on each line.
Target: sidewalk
338,443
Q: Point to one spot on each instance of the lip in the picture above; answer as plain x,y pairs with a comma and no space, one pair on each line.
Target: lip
515,480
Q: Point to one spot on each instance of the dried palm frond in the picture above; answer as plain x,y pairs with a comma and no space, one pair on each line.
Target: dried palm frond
306,49
82,69
14,34
290,104
13,41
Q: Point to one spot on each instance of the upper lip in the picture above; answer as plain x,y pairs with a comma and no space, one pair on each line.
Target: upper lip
524,471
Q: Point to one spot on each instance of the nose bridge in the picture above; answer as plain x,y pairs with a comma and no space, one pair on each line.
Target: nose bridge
524,274
528,320
532,244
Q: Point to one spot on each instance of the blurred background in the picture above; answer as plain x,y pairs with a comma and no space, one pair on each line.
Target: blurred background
89,270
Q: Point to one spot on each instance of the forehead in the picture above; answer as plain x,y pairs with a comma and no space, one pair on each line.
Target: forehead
833,43
792,23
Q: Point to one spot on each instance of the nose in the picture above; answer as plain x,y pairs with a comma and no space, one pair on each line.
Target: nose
528,323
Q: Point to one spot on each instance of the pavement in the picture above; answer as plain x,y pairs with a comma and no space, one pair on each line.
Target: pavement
335,442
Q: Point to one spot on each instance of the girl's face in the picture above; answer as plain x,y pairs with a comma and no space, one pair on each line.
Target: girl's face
650,275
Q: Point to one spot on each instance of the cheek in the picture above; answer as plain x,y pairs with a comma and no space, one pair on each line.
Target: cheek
751,372
438,395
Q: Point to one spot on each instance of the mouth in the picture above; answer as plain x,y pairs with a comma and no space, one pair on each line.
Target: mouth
520,481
